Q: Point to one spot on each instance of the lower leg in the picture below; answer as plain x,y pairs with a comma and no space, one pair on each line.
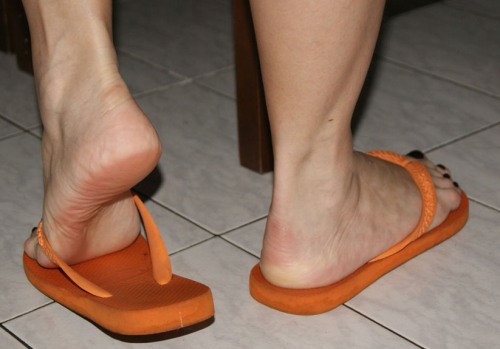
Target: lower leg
332,209
97,143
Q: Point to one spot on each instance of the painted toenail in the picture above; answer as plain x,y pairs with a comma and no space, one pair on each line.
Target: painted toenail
446,175
416,154
442,167
456,184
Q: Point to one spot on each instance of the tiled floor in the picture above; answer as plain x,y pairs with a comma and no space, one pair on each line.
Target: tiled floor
435,85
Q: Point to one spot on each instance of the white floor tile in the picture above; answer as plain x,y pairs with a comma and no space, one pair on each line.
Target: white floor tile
475,162
240,322
189,37
448,42
20,210
249,237
177,233
37,131
17,93
9,342
448,296
222,81
199,172
141,77
489,8
8,129
404,110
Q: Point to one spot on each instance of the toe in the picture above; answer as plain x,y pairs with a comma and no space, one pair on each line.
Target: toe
417,155
30,244
441,174
448,190
442,169
34,251
441,182
450,198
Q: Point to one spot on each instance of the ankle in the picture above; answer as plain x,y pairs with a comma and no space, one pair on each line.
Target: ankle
325,169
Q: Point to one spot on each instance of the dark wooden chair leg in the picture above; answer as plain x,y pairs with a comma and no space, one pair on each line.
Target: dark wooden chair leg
22,47
14,33
4,42
254,134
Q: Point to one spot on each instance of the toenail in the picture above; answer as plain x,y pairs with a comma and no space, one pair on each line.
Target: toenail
446,175
442,167
416,154
456,184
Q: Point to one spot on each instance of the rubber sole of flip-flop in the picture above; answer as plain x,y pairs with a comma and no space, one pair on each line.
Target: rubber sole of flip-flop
322,299
139,305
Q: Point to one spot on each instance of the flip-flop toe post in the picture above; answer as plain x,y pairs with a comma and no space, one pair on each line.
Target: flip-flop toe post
322,299
129,292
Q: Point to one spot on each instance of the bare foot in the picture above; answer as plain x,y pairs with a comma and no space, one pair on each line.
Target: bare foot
97,144
317,234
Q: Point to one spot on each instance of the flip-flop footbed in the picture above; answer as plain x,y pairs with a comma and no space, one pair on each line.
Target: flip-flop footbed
322,299
138,304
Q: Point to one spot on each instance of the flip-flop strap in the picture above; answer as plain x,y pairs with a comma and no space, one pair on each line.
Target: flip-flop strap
162,269
82,282
160,261
425,185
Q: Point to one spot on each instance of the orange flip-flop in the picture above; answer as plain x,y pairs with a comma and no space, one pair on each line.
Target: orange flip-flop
130,292
322,299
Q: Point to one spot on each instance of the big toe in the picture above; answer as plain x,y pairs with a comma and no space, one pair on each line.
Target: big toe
448,191
33,250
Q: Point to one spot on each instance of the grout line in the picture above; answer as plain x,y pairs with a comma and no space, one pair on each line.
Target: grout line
216,237
193,245
29,311
459,138
12,122
437,76
11,135
162,88
199,225
173,211
183,78
214,90
31,132
15,124
383,326
484,204
15,336
196,79
243,225
151,63
173,72
6,119
214,72
17,135
238,247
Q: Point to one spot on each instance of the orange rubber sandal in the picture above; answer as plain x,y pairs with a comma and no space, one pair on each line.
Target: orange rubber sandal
130,292
321,299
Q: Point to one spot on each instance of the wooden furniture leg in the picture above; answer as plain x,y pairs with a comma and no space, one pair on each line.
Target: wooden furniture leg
254,134
14,33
